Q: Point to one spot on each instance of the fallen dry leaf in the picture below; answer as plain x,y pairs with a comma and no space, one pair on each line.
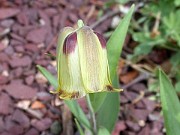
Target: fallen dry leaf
128,77
37,105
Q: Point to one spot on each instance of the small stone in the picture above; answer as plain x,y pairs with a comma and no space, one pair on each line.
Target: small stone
32,131
19,48
12,127
37,35
23,104
150,105
56,128
8,12
40,78
44,96
141,123
123,99
132,126
130,95
1,125
5,32
7,23
31,47
145,131
156,127
140,114
138,87
3,57
21,118
35,113
50,11
22,18
2,46
9,50
5,73
6,105
20,91
29,80
20,62
3,79
6,133
41,125
120,126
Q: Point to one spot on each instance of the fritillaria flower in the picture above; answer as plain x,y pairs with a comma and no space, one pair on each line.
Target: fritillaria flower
82,63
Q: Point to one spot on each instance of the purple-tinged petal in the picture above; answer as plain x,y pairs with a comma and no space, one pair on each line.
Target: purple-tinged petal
101,39
70,43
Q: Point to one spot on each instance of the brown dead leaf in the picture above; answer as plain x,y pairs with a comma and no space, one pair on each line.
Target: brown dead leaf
37,105
121,65
128,77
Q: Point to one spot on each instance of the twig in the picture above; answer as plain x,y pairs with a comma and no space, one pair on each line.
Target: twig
103,18
141,77
93,117
141,95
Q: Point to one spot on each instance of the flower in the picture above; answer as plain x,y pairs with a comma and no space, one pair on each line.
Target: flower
82,63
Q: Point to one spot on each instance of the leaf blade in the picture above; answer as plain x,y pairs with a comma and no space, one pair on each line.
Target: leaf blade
113,56
170,105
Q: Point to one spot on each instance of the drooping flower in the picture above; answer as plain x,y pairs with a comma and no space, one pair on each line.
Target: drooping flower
82,63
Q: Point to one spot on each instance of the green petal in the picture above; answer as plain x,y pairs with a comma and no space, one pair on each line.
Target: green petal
93,68
70,81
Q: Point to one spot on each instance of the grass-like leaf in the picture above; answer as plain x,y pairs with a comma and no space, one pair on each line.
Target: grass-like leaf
108,103
79,127
170,105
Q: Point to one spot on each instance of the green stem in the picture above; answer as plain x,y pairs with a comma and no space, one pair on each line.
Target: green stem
92,113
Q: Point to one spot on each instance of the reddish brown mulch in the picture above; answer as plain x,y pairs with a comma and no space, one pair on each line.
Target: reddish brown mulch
27,28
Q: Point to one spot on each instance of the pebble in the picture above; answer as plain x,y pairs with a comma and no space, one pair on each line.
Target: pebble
6,104
42,124
20,91
8,12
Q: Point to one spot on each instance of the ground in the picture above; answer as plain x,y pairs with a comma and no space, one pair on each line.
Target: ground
27,31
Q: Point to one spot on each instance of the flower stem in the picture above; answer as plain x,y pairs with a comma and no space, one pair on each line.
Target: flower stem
92,113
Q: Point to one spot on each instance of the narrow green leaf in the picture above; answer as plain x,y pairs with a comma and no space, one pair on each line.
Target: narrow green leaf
72,104
79,127
78,113
114,47
170,105
103,131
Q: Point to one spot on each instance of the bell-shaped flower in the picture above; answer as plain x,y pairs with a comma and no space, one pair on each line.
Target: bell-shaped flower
82,63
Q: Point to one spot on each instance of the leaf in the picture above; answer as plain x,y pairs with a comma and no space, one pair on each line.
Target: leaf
175,59
170,105
103,131
72,104
97,100
108,113
79,127
142,49
78,113
114,51
177,87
